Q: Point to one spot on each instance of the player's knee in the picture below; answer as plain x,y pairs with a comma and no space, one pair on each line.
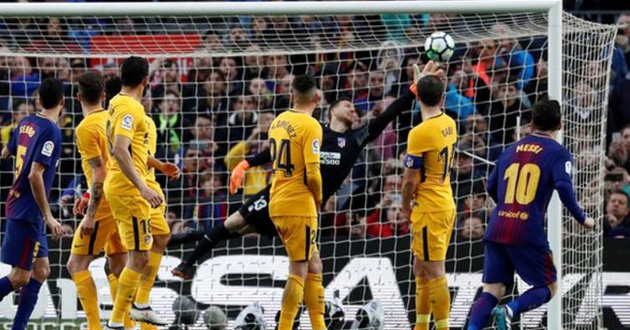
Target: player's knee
234,222
298,268
138,261
160,242
41,273
315,265
115,264
495,289
76,264
19,278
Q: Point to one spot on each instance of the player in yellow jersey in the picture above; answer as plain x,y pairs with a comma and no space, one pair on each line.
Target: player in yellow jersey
126,188
296,194
426,180
98,228
160,230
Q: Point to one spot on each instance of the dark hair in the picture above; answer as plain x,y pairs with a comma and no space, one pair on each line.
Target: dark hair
546,115
621,192
303,83
112,87
50,93
18,101
430,90
133,70
91,87
508,80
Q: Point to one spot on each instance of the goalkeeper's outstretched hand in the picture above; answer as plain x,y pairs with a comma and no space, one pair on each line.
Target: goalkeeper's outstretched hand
431,68
236,179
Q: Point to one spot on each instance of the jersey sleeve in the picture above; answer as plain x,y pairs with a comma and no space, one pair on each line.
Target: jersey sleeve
312,142
46,148
418,143
127,121
561,174
87,142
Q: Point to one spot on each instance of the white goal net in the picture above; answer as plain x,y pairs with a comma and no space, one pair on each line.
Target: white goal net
215,83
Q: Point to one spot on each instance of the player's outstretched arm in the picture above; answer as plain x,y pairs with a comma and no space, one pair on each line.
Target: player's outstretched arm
36,179
236,178
169,169
96,194
561,173
125,162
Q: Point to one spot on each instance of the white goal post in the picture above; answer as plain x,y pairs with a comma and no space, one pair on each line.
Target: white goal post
551,10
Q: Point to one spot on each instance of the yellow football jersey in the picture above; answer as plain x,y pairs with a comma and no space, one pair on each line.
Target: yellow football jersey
430,148
151,181
295,139
126,118
92,142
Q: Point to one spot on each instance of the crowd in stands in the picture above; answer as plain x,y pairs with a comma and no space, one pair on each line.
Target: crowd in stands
213,112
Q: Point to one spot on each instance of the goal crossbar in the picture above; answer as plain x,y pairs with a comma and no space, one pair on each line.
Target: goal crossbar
274,8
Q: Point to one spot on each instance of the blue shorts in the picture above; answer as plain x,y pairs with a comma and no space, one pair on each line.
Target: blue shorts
533,264
22,242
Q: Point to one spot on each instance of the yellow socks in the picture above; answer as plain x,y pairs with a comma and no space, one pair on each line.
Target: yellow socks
423,304
440,301
86,290
147,279
127,284
314,299
291,300
113,288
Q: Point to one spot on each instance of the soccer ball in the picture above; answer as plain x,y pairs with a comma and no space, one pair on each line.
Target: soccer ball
439,46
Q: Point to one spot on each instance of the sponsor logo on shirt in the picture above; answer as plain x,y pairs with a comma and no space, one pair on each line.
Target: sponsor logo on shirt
316,146
48,148
341,142
329,158
127,122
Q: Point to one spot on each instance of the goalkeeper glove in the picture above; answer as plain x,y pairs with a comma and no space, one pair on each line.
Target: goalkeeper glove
236,179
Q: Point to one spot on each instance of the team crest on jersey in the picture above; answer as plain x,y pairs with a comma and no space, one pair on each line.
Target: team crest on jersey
341,142
48,148
127,122
316,146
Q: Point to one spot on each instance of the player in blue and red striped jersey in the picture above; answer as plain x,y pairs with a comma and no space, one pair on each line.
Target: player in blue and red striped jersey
36,145
522,184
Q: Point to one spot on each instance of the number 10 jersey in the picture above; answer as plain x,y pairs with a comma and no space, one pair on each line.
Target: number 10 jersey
294,141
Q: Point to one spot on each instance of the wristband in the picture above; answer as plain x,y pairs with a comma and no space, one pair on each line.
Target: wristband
86,195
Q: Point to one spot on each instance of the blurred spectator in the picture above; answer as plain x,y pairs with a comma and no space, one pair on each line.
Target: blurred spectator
464,174
357,81
231,70
477,200
262,96
513,57
21,108
211,41
454,99
618,105
504,111
376,93
389,59
473,227
616,220
479,137
212,210
350,224
383,146
203,136
256,178
243,118
393,224
55,38
537,88
212,101
276,66
254,66
172,127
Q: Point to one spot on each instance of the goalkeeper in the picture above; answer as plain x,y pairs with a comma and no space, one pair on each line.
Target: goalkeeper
341,146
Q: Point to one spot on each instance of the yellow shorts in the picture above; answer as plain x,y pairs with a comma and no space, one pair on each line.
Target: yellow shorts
299,236
105,235
133,217
431,234
159,226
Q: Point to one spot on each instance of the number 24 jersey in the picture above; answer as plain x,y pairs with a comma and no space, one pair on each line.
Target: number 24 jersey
294,139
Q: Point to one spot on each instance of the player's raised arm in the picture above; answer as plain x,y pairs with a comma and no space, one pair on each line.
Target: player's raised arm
561,174
404,102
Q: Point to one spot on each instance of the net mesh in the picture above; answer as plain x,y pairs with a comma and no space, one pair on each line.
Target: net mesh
216,82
